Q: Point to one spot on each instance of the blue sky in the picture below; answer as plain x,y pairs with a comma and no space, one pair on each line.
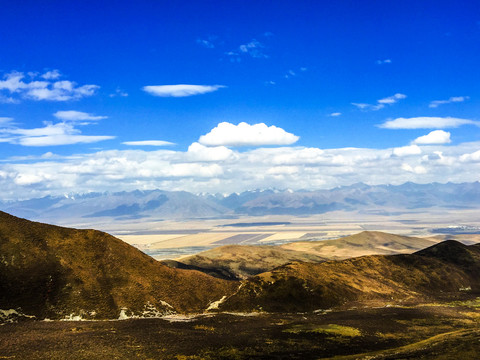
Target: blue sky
108,95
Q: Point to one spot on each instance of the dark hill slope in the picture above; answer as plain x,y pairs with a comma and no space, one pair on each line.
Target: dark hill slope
50,271
439,271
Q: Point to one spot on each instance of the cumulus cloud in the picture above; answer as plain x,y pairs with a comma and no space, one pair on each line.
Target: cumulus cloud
199,152
471,157
452,99
434,137
148,143
180,90
72,115
48,89
426,122
407,150
244,134
416,170
381,102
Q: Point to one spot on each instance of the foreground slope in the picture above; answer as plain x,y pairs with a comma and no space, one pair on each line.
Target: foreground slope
242,261
443,270
50,271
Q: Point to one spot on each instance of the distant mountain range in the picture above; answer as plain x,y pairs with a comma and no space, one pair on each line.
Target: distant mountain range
158,204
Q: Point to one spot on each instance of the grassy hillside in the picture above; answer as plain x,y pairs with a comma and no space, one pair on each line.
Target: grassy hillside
50,271
443,270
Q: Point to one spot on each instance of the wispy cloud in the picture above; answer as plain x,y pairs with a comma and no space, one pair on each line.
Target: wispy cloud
5,120
208,43
434,137
16,85
180,90
62,133
385,61
148,143
244,134
254,49
72,115
427,123
119,92
453,99
381,102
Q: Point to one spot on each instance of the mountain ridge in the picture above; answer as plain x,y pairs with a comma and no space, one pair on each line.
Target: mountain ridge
160,204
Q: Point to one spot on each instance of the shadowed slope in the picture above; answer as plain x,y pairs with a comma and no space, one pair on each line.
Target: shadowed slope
50,271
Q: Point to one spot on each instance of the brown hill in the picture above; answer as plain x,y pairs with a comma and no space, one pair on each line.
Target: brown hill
443,270
242,261
364,243
51,271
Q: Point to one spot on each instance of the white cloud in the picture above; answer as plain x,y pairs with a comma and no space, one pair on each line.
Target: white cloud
381,102
220,169
180,90
148,143
43,90
119,92
198,152
407,150
392,99
5,120
51,75
62,133
427,123
471,157
416,170
452,99
254,48
244,134
208,43
434,137
381,62
72,115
